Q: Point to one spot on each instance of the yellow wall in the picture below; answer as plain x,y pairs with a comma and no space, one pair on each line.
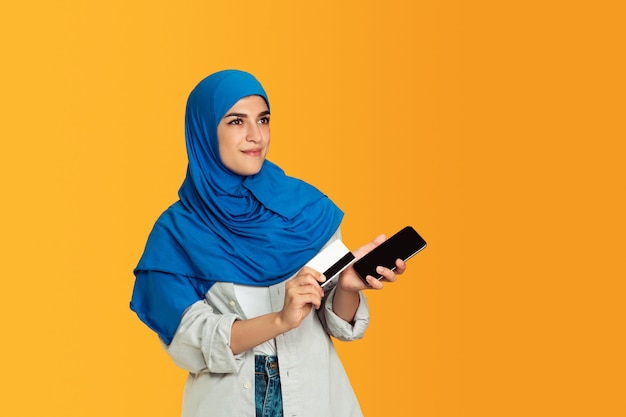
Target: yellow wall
495,128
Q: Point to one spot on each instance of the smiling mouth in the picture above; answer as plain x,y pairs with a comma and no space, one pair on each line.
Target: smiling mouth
253,152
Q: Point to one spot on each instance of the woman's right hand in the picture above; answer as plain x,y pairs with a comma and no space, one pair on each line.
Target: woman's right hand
301,294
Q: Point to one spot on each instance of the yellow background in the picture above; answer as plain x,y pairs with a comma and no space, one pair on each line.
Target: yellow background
495,128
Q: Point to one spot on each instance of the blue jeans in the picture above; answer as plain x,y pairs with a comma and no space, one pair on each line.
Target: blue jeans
268,396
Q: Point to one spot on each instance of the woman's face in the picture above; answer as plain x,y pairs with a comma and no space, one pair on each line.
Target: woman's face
243,136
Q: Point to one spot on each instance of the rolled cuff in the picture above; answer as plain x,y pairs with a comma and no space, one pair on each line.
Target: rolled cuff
202,341
341,329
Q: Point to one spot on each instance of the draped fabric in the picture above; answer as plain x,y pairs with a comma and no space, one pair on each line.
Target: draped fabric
256,230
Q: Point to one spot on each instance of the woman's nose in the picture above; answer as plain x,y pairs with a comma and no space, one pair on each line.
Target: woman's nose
254,134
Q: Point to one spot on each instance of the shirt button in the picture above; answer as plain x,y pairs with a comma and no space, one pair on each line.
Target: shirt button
246,385
231,303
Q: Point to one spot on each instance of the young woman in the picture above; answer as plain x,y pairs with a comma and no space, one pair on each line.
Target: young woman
222,279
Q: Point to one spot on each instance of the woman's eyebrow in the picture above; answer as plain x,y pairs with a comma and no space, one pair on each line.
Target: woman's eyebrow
236,115
244,115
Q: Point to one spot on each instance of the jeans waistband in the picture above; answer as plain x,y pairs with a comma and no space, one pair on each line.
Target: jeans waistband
266,364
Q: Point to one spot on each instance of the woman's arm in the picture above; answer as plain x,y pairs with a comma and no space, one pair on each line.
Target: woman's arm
246,334
302,293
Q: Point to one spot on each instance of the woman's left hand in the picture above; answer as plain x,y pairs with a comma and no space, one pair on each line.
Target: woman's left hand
349,280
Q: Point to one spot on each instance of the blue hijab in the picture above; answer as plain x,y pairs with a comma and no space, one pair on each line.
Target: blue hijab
257,230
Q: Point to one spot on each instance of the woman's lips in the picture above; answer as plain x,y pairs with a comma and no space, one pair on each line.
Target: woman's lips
253,152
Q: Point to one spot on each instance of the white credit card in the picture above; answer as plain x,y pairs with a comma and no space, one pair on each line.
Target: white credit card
331,261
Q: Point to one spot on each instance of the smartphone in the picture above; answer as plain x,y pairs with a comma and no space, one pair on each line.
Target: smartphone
403,245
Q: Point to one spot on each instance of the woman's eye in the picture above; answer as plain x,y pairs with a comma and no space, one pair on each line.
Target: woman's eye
264,120
236,122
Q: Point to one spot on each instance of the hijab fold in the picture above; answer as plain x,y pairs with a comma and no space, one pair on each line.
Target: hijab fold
257,230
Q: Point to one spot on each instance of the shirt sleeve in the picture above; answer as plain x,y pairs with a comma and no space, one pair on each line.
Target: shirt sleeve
194,334
338,327
202,341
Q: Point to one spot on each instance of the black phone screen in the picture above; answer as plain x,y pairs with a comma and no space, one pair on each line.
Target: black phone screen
404,244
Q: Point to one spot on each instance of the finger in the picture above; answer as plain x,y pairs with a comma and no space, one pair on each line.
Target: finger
310,289
306,279
369,246
307,271
400,266
374,283
388,274
310,299
313,283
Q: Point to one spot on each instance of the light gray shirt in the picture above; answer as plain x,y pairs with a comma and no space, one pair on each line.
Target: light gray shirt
221,384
